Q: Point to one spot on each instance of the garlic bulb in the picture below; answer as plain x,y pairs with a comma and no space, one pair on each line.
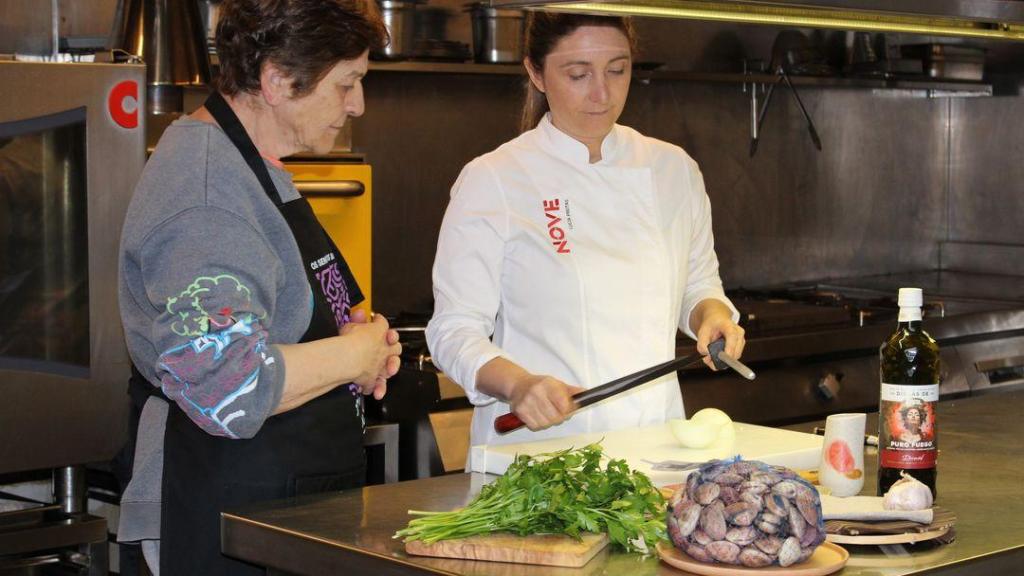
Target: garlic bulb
908,493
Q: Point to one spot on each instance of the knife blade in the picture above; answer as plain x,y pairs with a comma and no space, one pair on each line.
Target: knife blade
509,422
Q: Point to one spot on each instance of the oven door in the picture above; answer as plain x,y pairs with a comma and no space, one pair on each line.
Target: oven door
71,150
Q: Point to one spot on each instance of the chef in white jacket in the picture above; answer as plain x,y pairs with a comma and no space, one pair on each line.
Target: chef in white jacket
569,256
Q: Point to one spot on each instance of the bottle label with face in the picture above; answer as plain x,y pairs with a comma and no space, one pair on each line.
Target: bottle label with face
907,432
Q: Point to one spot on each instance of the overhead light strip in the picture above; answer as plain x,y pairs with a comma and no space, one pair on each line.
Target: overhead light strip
870,22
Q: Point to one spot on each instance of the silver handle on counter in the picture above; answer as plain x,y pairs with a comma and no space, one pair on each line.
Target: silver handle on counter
332,188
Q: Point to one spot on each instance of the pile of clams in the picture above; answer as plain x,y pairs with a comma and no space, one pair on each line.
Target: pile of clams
746,513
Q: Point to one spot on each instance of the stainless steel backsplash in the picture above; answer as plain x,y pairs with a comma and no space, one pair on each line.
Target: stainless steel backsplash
897,176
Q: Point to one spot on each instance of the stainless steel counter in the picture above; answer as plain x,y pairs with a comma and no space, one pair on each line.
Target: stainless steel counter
980,478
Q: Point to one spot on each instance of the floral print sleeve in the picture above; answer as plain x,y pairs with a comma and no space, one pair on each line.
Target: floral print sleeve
215,293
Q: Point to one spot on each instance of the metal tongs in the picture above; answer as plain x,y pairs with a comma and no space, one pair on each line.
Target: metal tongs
509,422
781,76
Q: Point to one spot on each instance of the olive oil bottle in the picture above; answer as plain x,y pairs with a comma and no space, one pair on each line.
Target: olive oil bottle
907,430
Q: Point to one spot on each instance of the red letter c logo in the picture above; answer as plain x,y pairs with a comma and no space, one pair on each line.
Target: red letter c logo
115,103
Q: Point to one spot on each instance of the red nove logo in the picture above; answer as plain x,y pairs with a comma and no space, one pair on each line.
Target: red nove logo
555,232
122,116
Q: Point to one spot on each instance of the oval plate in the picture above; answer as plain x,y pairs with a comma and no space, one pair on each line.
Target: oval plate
826,559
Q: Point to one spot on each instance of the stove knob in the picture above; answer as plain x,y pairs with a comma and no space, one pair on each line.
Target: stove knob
828,386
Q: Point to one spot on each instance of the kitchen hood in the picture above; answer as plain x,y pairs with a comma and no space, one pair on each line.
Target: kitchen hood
167,36
978,19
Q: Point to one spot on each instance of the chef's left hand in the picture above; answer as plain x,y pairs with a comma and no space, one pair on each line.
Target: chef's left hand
714,321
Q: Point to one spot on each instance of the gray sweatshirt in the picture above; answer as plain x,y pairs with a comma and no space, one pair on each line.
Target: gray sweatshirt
210,281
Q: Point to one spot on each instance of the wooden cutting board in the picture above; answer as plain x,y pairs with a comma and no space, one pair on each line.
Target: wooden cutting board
543,549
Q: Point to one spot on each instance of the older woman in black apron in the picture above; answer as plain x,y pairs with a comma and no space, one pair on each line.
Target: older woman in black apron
249,363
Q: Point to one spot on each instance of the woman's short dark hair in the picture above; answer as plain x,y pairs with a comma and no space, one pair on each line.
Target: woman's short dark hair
304,38
543,31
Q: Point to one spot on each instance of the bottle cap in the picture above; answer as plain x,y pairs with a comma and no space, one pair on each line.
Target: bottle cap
910,298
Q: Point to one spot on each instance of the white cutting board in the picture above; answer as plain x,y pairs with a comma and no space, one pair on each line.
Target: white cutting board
795,450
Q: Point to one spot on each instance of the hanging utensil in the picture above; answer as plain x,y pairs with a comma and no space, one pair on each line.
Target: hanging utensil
782,76
509,422
800,103
759,125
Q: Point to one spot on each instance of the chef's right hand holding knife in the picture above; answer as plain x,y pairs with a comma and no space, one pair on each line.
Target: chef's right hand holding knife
539,401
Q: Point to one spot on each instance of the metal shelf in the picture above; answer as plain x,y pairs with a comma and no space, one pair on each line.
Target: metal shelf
924,87
933,88
915,87
427,67
447,67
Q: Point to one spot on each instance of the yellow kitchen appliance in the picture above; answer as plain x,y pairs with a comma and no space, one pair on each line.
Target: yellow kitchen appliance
338,187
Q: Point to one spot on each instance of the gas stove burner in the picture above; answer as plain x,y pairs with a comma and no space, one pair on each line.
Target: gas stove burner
406,321
814,307
825,297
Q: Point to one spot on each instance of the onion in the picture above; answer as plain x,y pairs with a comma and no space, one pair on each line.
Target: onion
694,434
707,427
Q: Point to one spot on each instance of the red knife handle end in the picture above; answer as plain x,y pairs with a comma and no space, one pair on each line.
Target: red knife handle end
507,423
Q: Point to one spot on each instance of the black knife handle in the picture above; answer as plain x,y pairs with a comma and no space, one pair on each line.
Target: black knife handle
508,422
714,349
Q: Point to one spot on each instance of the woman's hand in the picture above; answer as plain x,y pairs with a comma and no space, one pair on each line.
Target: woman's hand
365,353
378,351
714,320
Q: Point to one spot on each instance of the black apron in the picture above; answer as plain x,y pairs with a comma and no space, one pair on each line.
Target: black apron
317,447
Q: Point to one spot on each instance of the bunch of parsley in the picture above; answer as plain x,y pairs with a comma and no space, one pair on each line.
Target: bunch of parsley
565,492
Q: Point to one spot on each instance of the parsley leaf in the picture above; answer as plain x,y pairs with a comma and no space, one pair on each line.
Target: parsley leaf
564,492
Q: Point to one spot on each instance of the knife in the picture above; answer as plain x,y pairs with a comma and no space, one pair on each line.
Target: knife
509,422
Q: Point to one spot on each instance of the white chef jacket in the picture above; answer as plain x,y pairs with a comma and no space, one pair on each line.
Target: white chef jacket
579,271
